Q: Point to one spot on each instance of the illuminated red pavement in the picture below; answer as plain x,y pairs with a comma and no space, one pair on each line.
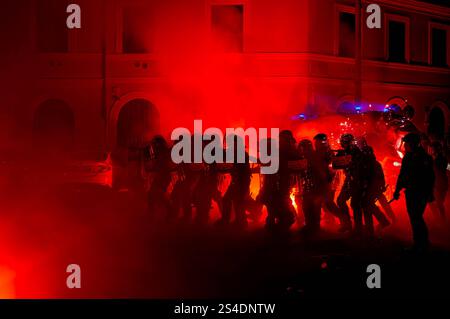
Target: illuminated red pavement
124,254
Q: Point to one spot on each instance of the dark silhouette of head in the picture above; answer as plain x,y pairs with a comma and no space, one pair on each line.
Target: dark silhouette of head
159,144
361,142
287,141
347,141
321,142
305,148
412,142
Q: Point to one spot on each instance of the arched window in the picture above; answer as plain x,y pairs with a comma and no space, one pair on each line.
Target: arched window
436,123
138,121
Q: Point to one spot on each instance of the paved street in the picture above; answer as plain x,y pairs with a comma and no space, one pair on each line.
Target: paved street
124,253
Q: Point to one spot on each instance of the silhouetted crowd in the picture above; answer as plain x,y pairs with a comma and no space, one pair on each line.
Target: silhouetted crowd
312,169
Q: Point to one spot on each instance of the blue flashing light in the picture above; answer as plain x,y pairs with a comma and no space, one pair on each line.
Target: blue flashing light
300,116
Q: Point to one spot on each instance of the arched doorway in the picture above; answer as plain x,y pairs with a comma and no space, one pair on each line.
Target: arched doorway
137,122
53,127
436,123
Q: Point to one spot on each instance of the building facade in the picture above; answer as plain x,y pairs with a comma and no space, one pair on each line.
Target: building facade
138,67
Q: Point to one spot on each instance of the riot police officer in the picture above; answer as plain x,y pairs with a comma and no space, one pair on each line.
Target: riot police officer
314,182
375,189
288,153
417,178
268,192
181,197
441,186
276,189
160,168
353,187
206,189
324,156
239,189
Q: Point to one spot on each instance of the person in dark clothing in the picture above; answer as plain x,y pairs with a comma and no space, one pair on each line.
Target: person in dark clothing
376,185
239,189
353,187
181,197
324,156
314,182
288,152
276,188
417,178
268,192
206,190
440,171
160,168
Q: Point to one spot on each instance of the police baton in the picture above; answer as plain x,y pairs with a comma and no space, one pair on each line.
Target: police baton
393,199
